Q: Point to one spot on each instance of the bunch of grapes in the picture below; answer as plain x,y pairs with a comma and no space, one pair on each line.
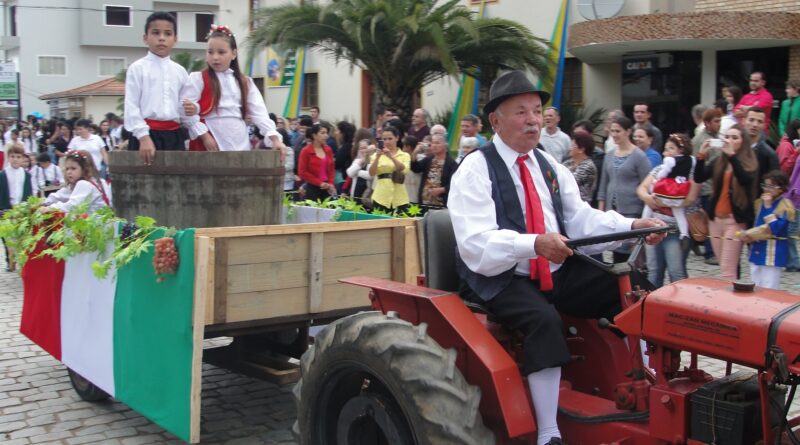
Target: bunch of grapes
127,231
165,260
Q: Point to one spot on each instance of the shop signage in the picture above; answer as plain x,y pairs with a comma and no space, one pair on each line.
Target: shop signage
640,65
8,81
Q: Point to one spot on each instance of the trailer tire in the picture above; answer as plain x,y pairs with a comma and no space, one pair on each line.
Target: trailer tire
86,389
375,379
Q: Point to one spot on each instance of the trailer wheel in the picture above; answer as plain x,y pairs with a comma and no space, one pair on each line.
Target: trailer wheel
86,389
376,379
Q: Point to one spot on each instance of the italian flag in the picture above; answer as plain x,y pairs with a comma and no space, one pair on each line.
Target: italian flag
129,335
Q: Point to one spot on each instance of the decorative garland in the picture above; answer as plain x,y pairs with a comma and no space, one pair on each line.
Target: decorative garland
28,230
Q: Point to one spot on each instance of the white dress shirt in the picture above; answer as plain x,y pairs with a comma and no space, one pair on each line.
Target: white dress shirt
16,184
51,173
152,91
488,250
68,198
225,121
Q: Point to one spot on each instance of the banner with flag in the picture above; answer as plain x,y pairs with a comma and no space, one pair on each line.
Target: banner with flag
293,75
466,102
129,335
556,55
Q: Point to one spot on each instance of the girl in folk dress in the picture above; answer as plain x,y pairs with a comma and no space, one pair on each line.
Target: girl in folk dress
83,185
224,98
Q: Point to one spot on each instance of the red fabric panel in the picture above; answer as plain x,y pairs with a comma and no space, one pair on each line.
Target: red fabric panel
41,304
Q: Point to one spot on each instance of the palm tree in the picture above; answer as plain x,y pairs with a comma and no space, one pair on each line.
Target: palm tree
404,44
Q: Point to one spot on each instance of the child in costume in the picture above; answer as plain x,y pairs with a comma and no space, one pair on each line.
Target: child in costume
16,185
224,98
673,180
769,237
83,185
153,112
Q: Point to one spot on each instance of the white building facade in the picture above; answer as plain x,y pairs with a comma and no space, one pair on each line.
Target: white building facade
62,44
670,53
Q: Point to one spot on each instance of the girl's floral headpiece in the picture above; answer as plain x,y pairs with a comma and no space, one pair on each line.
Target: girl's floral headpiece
222,29
76,154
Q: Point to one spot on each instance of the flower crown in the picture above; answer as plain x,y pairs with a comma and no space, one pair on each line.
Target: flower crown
221,29
76,154
680,140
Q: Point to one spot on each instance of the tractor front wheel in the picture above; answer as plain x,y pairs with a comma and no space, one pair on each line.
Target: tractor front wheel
375,379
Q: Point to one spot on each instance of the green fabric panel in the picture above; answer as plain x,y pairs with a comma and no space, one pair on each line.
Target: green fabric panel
153,338
346,215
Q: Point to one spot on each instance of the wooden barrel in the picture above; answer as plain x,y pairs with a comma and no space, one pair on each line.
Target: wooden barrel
199,189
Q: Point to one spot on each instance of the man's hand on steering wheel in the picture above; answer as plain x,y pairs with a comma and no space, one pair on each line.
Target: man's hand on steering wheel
643,223
551,246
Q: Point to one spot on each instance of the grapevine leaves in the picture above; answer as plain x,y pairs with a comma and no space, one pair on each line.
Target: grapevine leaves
29,230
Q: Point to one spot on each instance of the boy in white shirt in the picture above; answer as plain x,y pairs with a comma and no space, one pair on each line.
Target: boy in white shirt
153,111
46,174
85,140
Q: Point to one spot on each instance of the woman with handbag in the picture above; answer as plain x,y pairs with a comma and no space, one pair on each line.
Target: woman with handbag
389,166
733,174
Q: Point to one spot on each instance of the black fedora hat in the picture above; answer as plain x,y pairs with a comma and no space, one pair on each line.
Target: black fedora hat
511,84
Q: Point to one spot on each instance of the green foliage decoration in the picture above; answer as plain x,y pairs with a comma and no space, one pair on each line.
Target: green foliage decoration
26,226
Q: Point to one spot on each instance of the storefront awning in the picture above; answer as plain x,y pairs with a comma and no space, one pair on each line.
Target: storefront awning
605,41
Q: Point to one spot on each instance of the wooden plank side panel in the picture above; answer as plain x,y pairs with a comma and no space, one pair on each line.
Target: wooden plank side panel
357,242
204,275
203,292
267,304
220,279
267,276
398,250
283,229
267,249
343,296
411,266
315,272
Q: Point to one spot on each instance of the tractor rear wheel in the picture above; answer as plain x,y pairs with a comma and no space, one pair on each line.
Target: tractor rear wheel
373,379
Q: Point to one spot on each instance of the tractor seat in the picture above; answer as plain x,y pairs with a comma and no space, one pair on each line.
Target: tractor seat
440,257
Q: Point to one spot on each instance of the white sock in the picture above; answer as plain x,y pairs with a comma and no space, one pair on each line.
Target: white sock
544,392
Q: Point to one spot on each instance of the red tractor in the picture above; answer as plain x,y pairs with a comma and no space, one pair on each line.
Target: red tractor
429,368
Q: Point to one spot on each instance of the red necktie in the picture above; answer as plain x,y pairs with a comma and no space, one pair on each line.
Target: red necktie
534,219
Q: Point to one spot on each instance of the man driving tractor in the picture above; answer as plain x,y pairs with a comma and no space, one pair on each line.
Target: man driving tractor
513,207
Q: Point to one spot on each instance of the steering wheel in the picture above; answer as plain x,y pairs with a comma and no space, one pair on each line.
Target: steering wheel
617,236
623,268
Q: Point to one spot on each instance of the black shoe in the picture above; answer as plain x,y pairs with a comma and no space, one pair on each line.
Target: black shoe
696,249
555,441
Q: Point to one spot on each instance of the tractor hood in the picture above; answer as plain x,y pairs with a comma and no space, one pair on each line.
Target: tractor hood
707,316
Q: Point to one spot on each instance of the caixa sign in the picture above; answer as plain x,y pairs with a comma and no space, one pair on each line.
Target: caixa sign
640,65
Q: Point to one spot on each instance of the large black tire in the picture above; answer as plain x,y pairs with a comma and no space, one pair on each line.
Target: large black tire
373,379
86,389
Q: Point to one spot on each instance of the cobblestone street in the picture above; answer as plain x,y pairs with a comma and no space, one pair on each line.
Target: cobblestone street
39,406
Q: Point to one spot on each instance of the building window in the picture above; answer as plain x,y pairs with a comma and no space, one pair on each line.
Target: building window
109,66
572,88
52,65
310,90
13,20
202,25
118,15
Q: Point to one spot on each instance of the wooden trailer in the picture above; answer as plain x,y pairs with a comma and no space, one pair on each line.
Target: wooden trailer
141,340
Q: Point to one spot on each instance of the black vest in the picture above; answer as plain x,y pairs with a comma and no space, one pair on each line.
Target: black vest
5,192
508,211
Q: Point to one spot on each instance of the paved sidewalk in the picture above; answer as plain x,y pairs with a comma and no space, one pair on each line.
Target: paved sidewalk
39,406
